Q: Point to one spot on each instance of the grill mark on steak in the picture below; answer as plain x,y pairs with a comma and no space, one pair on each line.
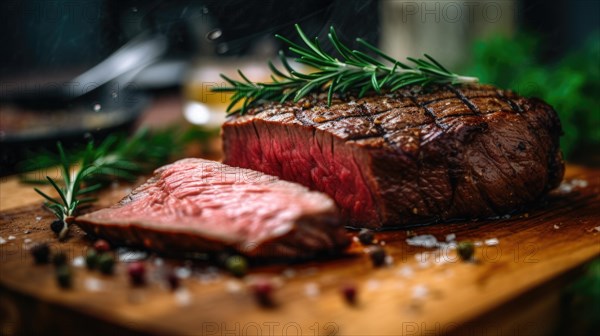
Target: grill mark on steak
515,107
437,100
300,117
380,130
460,95
428,112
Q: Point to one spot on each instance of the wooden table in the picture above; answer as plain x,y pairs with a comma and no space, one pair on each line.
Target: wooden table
519,265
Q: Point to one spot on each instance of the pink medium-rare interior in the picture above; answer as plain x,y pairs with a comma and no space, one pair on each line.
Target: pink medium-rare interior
317,160
218,200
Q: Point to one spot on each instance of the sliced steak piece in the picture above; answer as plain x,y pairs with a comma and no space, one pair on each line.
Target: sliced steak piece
413,156
199,205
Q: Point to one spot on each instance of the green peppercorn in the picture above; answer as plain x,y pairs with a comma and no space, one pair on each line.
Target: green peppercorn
59,259
366,236
465,250
41,253
91,259
237,265
106,263
64,276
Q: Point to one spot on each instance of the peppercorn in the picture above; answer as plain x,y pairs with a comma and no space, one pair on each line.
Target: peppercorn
349,293
173,280
91,259
377,254
41,253
63,276
137,273
263,292
102,245
59,259
237,265
366,236
106,263
56,226
465,250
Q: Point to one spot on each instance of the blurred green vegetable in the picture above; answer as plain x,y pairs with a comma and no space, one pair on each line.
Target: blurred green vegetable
571,85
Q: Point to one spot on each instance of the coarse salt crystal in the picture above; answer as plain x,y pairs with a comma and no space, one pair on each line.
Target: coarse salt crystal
450,237
78,261
556,227
491,242
311,289
183,297
126,255
27,240
419,291
2,241
597,228
405,271
93,285
372,285
183,272
579,183
389,260
477,243
38,218
422,240
12,237
233,286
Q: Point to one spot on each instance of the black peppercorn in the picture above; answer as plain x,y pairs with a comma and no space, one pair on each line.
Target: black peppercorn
106,263
465,250
41,253
377,254
59,259
56,226
366,236
91,259
63,276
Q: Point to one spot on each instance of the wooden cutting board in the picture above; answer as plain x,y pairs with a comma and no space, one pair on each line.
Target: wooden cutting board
519,264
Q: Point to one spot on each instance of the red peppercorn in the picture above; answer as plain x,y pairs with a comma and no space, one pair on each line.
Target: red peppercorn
173,280
349,293
137,273
101,245
263,292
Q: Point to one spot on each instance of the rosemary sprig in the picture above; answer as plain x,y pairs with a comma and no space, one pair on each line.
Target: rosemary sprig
91,169
349,70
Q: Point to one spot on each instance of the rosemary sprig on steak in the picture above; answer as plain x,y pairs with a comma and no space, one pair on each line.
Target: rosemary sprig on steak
88,171
348,71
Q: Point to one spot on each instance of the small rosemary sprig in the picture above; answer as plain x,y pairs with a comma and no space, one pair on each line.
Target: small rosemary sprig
91,169
349,70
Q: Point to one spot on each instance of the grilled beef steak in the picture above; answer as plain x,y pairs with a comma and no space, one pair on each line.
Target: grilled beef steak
412,156
200,205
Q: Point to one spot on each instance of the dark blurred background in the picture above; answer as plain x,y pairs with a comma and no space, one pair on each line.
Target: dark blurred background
548,49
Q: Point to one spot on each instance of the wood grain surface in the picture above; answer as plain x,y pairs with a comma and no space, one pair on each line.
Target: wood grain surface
422,291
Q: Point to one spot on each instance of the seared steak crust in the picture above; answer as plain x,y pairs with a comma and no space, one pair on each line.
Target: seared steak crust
412,156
